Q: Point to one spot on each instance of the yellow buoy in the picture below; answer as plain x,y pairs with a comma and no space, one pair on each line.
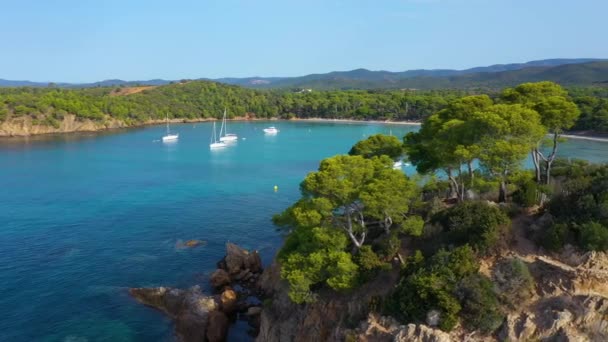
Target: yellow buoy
276,188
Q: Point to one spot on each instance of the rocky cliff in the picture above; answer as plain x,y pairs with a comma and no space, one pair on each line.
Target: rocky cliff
570,304
25,126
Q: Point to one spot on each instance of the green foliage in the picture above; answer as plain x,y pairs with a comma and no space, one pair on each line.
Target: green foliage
432,287
204,99
369,262
336,202
526,194
579,207
313,256
593,236
378,145
480,306
477,223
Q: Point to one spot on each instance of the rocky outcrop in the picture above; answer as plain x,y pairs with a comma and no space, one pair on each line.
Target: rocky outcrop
196,316
200,317
239,260
25,126
580,318
326,319
220,278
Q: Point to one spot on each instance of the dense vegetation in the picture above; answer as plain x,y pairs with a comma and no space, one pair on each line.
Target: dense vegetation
358,216
579,208
203,99
200,99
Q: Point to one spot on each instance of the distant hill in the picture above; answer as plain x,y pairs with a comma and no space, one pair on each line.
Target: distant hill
580,71
367,79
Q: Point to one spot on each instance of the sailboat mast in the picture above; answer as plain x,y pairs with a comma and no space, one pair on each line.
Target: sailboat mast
225,123
167,121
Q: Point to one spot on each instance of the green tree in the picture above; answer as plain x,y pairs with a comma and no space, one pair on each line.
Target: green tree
557,113
313,256
508,133
449,139
378,145
347,192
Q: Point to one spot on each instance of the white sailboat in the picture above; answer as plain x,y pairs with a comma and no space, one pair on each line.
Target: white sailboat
225,136
214,142
169,136
271,130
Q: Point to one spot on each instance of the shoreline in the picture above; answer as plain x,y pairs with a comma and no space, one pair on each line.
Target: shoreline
579,135
597,138
385,122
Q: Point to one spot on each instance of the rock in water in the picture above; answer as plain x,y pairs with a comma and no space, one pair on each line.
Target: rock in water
228,300
218,327
195,314
219,278
238,259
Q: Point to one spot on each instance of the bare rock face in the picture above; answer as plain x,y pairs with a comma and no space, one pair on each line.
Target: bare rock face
421,333
219,278
195,314
322,320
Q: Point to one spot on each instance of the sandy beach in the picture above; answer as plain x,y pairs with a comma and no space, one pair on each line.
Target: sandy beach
408,123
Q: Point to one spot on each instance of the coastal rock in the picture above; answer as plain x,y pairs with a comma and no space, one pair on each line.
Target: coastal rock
322,320
166,299
219,278
238,259
228,300
195,314
217,327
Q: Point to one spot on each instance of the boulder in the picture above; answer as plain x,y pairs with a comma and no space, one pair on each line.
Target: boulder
191,310
219,278
166,299
228,301
238,259
217,328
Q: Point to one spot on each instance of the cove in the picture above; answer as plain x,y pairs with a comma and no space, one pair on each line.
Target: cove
85,216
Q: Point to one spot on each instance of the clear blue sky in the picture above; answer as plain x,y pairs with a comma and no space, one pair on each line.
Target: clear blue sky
90,40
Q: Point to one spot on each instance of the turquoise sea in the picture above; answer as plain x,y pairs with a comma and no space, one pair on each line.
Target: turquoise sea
83,217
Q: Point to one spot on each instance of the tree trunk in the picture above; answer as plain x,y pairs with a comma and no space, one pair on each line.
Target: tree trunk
453,183
358,243
502,192
536,161
549,161
471,175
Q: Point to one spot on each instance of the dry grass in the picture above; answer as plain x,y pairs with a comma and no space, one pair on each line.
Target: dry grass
130,90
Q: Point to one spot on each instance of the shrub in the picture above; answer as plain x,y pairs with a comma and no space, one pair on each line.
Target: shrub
526,194
432,287
593,236
368,260
476,223
555,236
514,281
480,307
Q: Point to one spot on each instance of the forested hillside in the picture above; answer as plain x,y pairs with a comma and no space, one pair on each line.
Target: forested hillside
204,99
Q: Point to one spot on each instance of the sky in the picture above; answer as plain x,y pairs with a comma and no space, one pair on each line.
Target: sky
92,40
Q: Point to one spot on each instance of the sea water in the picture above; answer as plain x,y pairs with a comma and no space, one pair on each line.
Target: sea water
83,217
